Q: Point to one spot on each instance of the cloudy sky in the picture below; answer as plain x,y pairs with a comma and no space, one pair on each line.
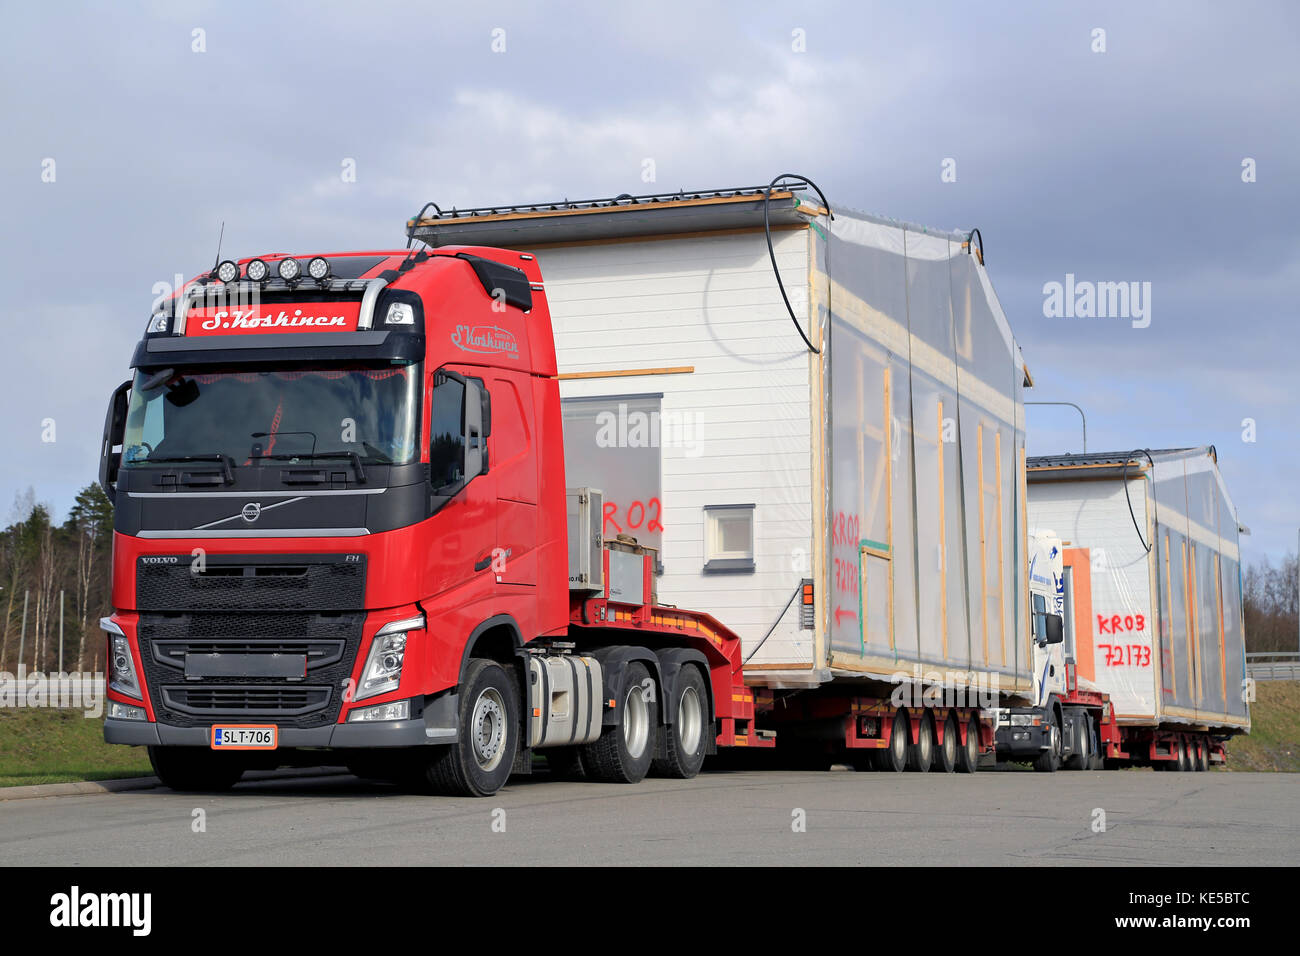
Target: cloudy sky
1117,165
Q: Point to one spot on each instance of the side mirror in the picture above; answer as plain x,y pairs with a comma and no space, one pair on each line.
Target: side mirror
114,430
1055,629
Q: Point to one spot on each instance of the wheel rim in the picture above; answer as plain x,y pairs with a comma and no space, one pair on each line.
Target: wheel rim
636,721
690,721
1056,740
488,729
972,742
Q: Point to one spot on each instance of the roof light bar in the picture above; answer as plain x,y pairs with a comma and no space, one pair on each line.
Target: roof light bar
228,271
318,268
257,270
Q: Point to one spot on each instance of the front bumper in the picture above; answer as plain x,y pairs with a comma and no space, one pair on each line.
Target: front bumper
438,725
1021,741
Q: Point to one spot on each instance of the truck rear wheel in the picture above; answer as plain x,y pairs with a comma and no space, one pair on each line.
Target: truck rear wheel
1184,764
195,769
479,763
893,759
1049,761
1203,754
968,756
945,754
683,742
624,751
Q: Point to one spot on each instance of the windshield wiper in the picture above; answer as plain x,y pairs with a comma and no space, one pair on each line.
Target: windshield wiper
314,455
227,463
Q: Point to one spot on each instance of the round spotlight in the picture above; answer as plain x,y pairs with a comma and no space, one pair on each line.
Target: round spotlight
289,269
318,268
257,270
228,271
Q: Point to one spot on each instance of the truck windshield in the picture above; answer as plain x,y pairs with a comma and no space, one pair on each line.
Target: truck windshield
261,416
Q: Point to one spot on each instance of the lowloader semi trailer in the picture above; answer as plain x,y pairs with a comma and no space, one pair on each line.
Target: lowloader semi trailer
1149,576
620,483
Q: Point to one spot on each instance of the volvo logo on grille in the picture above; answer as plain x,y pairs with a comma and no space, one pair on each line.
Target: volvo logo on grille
251,512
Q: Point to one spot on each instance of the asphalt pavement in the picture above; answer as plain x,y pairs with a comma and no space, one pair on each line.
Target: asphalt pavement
1136,818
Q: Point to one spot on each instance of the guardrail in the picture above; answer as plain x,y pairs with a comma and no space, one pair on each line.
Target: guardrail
1273,665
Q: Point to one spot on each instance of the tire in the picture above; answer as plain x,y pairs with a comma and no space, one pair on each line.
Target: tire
195,769
1184,761
921,754
968,754
684,742
1049,761
945,754
893,759
479,763
624,751
1081,759
1203,754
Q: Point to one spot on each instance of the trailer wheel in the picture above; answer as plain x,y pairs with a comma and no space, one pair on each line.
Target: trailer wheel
624,751
479,763
1081,759
195,769
968,755
1049,761
1203,754
945,754
1184,763
893,759
683,742
921,754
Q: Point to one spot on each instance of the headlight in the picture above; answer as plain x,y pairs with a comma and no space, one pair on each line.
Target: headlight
157,322
400,313
125,711
289,269
397,710
383,670
121,666
228,271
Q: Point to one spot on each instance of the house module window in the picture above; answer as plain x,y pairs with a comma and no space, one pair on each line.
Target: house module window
728,539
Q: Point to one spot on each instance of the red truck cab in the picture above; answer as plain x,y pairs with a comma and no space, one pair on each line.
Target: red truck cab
329,494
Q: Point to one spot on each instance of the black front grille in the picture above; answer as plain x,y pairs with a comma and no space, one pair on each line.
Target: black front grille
321,638
333,582
304,605
240,701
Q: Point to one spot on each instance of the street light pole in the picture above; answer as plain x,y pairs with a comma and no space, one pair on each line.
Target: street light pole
1081,415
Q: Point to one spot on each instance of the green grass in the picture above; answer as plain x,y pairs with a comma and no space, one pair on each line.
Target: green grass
59,746
1274,739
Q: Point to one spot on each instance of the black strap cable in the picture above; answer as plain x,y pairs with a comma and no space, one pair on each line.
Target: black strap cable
767,230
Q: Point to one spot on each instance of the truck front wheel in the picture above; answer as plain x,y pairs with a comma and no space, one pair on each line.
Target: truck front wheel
479,763
624,751
195,769
1049,761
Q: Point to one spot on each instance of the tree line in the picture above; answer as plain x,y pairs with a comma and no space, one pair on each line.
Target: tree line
1272,606
48,571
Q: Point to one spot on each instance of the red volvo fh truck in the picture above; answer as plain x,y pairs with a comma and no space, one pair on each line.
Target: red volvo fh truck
341,523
